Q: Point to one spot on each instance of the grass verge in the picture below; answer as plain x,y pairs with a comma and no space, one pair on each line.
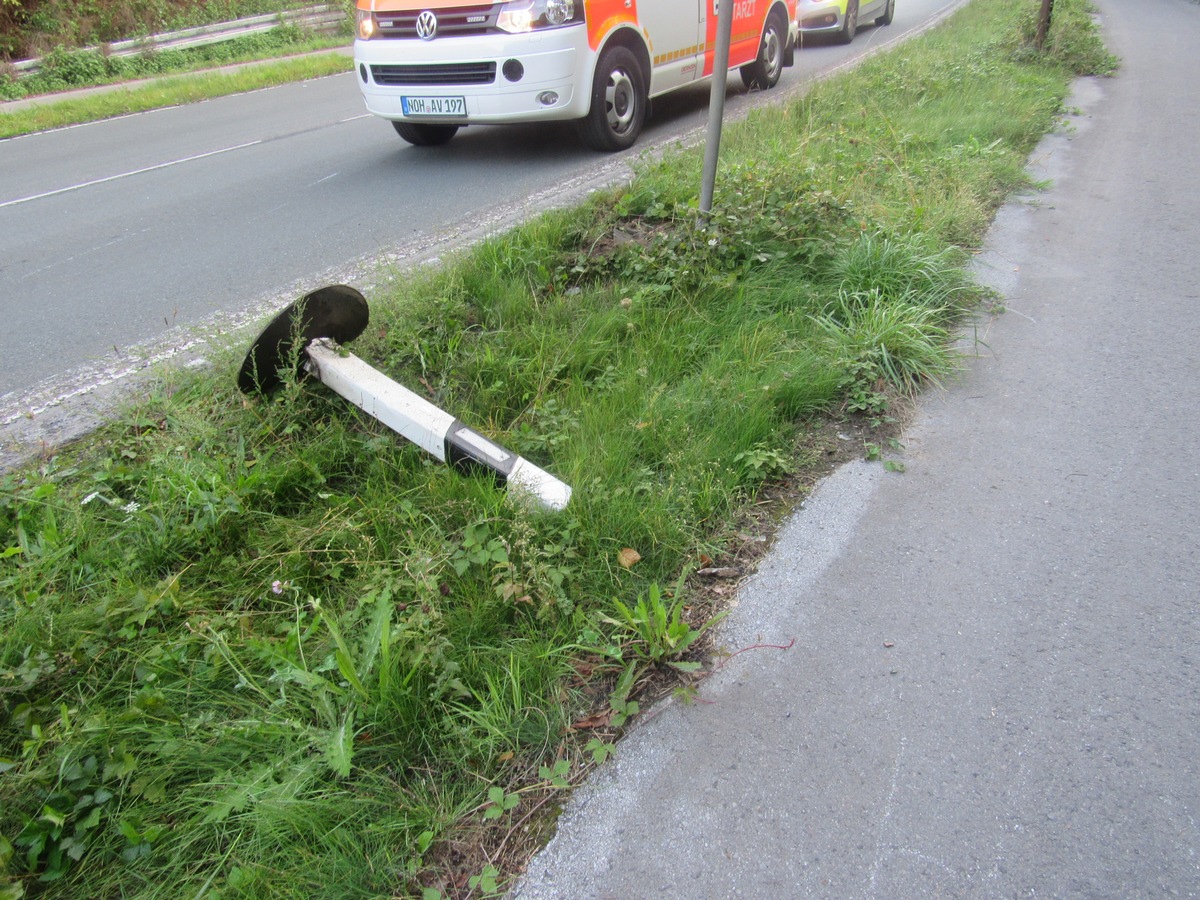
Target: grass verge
168,91
264,649
39,27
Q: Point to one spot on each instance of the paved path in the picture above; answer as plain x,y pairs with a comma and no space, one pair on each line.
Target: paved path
994,688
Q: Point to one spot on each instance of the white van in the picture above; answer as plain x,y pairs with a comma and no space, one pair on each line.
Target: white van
433,66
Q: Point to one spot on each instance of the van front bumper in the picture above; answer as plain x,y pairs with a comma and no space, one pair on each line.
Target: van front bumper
533,78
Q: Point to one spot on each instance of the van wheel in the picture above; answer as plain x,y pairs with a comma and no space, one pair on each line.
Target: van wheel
850,25
425,135
889,13
618,102
764,72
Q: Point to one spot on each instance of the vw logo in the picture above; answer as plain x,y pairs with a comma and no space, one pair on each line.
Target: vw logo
427,26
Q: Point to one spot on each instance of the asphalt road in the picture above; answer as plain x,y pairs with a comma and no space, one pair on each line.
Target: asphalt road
125,240
994,690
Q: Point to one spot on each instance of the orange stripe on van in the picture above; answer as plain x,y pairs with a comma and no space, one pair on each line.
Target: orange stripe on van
605,15
677,54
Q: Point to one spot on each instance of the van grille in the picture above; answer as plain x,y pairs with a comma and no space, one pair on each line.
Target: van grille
456,22
443,74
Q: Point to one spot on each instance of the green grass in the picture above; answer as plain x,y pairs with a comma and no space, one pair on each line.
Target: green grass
64,69
32,28
167,78
262,648
171,91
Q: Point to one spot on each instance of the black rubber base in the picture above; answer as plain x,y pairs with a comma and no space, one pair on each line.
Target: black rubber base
336,311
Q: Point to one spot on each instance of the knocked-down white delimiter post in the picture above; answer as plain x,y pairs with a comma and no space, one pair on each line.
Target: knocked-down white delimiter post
310,332
427,426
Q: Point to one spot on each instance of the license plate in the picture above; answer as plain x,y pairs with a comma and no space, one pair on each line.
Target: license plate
434,106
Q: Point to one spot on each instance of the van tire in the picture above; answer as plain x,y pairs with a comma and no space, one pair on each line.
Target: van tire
889,13
619,101
764,72
425,135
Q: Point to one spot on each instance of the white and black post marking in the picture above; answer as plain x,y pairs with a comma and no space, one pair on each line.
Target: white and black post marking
331,316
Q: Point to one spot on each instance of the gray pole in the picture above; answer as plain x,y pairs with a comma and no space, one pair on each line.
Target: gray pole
716,105
1043,26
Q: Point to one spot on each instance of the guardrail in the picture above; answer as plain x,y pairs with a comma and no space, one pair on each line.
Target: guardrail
326,19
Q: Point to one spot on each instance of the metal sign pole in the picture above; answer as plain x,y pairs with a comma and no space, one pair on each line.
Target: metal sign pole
716,105
1043,26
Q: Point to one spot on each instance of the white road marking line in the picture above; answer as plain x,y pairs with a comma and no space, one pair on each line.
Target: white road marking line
166,165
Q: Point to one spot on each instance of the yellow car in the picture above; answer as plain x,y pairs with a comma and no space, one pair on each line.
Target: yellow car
840,18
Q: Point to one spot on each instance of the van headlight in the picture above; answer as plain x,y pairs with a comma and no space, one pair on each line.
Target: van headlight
365,24
520,16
